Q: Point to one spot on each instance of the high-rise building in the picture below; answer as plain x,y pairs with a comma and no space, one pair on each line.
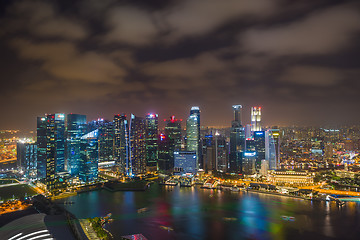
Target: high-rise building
169,142
255,119
259,143
185,163
121,143
60,142
41,142
195,111
106,141
237,141
151,141
221,153
193,131
50,152
248,163
76,128
88,167
27,158
272,148
137,140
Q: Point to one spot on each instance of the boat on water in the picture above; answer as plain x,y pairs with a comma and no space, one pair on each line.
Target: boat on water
141,210
235,189
166,228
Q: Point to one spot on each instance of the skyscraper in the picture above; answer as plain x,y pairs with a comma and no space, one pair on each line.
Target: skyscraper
137,151
151,141
221,150
255,119
259,142
76,128
88,167
41,140
237,141
193,131
106,141
60,142
169,142
272,148
50,152
27,158
121,143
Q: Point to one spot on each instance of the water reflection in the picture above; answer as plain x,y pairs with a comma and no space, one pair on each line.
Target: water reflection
195,213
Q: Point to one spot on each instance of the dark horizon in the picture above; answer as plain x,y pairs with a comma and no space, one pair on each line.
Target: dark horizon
297,60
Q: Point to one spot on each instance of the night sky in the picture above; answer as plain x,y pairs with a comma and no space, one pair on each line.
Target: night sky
299,60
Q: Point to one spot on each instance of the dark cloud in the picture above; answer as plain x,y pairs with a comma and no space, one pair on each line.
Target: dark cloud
104,57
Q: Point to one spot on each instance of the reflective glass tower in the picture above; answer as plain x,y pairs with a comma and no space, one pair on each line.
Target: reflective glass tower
41,141
137,151
237,141
121,143
88,167
76,128
151,141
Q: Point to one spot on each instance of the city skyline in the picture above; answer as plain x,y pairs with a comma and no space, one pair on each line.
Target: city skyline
297,60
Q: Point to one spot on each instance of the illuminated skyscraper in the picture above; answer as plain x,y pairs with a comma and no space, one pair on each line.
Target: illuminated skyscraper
151,141
137,140
272,148
41,147
76,128
193,131
237,141
185,163
259,142
121,143
248,163
60,142
169,142
255,119
50,152
26,153
106,141
88,167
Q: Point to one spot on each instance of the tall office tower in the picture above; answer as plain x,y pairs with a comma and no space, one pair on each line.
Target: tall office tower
27,158
237,141
60,142
76,128
88,170
41,147
193,131
248,133
221,153
137,140
164,163
50,152
169,142
151,141
248,164
121,143
106,141
195,111
209,154
272,148
255,119
259,142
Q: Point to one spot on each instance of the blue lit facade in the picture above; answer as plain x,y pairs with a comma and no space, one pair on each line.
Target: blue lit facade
27,158
88,170
193,132
185,163
41,141
259,142
248,164
76,128
60,142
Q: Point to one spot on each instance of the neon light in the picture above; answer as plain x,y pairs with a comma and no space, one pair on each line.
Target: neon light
249,154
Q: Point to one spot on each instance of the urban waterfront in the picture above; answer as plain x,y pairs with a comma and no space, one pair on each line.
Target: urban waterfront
196,213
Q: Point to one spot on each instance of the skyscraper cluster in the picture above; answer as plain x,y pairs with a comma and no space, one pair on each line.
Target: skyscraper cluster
135,145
